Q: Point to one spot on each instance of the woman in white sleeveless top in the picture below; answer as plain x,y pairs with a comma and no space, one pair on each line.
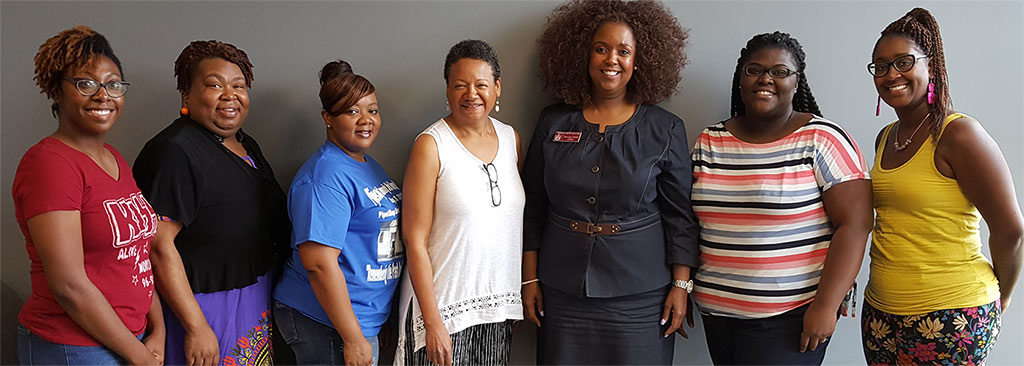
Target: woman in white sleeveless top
462,222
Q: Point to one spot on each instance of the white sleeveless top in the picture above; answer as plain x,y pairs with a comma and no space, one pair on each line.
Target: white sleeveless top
475,248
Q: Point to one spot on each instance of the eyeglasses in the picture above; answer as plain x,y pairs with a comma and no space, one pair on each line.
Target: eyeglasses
89,87
902,64
778,72
492,177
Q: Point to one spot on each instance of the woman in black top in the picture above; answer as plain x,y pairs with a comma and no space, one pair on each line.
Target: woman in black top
608,223
222,214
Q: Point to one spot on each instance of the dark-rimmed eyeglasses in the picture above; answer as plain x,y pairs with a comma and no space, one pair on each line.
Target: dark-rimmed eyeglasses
902,64
89,87
778,72
492,177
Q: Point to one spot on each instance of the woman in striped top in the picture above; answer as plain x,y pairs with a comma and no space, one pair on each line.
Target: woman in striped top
784,204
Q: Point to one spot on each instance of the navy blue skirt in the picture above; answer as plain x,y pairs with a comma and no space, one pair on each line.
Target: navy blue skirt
603,331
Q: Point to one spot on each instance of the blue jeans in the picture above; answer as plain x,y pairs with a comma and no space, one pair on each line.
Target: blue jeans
33,350
309,338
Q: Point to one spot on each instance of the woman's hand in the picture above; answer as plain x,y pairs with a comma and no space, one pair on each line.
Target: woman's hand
201,347
819,324
358,352
144,359
533,303
689,318
155,343
675,310
439,345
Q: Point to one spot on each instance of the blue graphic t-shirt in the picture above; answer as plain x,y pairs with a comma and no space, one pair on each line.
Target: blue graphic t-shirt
342,203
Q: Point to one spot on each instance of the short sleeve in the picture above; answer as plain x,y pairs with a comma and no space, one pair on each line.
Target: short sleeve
169,181
319,213
837,158
46,181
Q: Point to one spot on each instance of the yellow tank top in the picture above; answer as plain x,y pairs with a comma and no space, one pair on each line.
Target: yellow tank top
925,246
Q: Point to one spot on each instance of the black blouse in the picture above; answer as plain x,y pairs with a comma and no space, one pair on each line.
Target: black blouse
636,175
234,218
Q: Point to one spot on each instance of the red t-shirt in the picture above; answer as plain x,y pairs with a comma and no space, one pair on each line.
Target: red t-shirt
117,226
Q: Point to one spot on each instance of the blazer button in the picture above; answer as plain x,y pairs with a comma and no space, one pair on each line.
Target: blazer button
600,138
591,200
595,169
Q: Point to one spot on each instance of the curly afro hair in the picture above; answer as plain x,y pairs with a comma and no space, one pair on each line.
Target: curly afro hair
803,101
197,51
67,52
565,49
920,27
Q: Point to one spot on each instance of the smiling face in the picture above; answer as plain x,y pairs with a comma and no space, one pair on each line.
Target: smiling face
472,90
901,90
218,98
612,53
355,129
93,114
763,95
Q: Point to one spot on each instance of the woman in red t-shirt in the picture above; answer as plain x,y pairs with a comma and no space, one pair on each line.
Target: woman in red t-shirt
87,226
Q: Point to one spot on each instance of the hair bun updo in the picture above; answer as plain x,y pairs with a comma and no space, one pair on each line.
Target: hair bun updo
341,88
335,69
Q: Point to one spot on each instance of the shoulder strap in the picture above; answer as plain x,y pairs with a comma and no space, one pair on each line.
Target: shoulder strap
950,118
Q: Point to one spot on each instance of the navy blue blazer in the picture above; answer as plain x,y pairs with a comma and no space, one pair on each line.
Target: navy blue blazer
636,175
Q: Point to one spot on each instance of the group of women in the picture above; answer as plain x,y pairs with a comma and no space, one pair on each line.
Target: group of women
599,235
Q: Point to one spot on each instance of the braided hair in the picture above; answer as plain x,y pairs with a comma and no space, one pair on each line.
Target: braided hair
920,27
65,53
803,101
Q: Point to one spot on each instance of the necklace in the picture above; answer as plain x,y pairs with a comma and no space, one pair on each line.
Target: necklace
896,144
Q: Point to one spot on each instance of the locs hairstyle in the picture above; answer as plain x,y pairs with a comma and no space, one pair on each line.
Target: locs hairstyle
803,101
341,88
566,42
920,27
474,49
197,51
65,53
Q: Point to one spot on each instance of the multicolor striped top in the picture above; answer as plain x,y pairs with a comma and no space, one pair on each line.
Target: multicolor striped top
764,231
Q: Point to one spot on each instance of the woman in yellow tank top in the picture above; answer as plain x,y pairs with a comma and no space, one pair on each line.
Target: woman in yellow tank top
932,297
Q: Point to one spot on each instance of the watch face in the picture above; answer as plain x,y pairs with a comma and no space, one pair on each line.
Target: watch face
685,285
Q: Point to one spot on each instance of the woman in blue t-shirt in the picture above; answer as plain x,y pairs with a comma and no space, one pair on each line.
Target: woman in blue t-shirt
337,287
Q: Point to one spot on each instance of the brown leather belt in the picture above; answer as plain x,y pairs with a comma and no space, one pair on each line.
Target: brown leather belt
590,228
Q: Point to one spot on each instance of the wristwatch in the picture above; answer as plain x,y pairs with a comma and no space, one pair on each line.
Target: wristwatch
685,285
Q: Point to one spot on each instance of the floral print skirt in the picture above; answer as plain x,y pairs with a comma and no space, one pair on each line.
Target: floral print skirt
945,337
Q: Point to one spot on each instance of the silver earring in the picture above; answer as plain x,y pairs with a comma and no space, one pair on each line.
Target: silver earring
497,106
447,107
328,126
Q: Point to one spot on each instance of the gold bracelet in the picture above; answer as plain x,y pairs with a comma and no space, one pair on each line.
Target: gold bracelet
530,281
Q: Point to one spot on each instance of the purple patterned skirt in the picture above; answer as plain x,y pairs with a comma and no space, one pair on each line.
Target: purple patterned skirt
241,320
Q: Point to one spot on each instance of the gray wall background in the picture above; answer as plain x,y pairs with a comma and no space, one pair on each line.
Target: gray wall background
400,46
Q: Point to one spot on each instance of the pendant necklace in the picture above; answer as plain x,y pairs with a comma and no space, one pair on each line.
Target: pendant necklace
896,144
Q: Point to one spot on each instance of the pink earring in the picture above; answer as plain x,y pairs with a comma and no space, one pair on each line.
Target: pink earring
931,93
878,107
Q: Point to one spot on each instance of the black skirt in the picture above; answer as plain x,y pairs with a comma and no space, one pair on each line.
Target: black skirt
623,330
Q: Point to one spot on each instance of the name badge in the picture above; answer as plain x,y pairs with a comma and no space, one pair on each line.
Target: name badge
567,136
